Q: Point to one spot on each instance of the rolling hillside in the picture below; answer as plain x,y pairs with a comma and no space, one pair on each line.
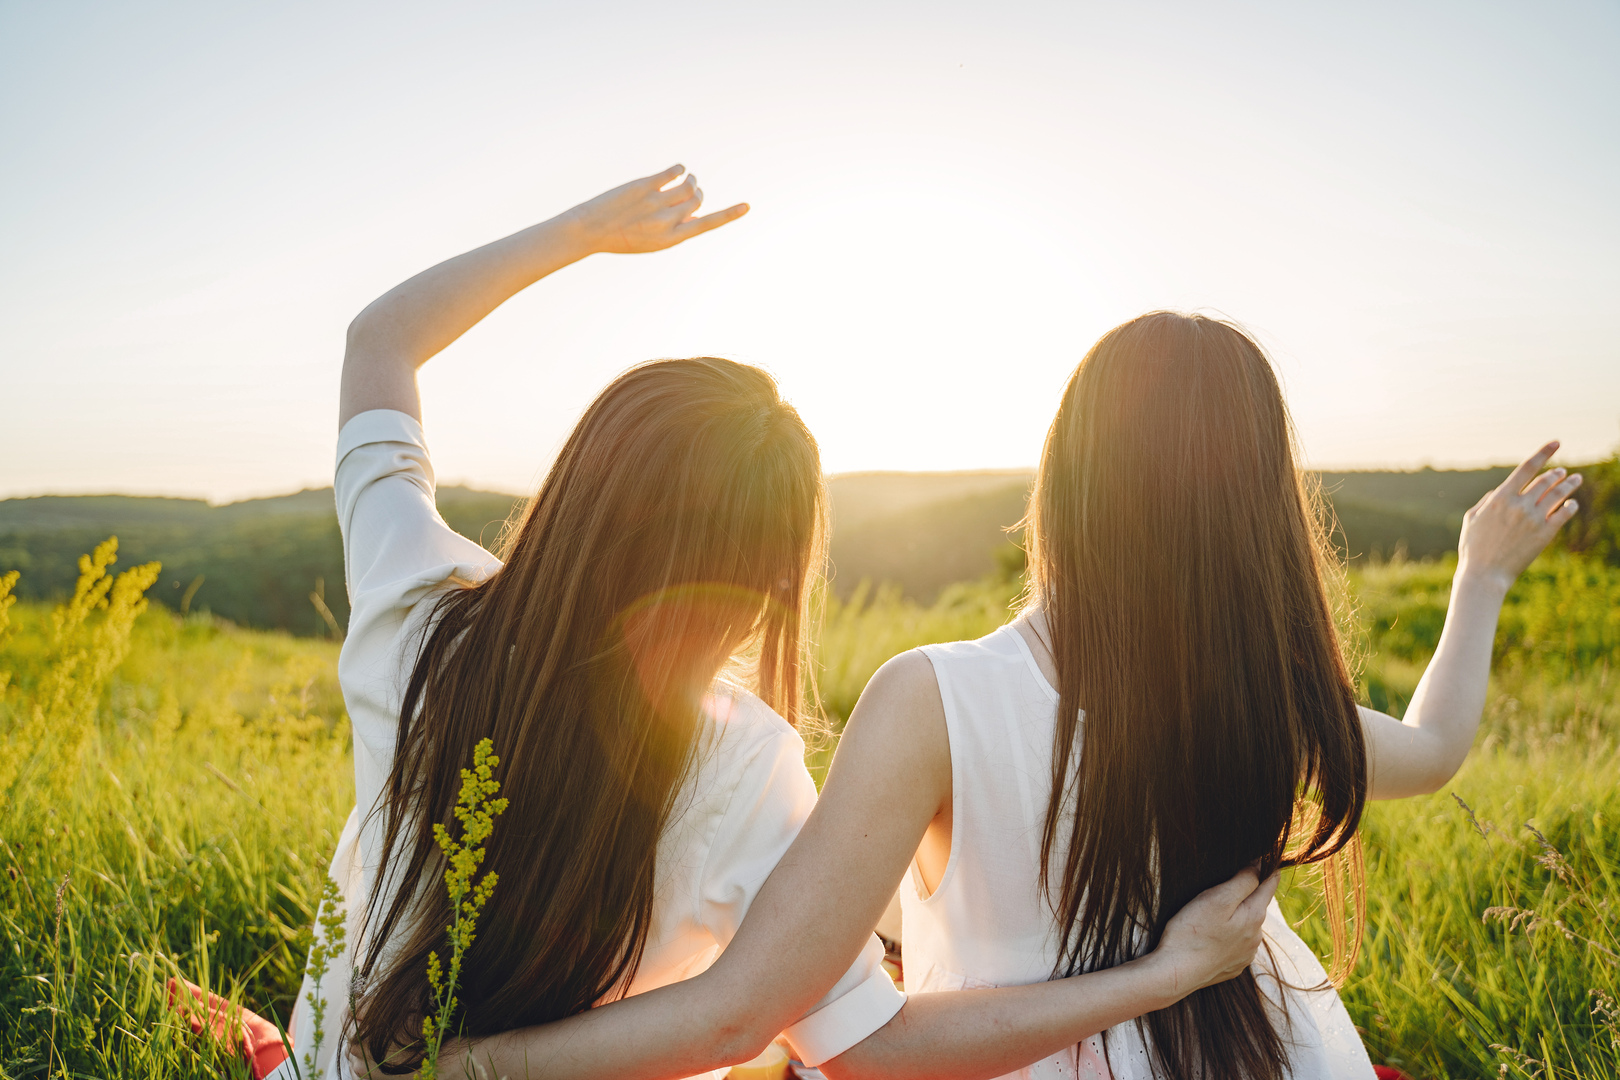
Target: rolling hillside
254,562
924,531
258,562
928,543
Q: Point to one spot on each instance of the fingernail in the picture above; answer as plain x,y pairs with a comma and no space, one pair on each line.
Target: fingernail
1574,506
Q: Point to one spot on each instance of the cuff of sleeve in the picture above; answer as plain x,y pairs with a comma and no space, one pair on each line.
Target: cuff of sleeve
378,425
840,1024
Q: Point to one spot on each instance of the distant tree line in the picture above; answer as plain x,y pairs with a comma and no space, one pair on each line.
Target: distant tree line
259,563
278,563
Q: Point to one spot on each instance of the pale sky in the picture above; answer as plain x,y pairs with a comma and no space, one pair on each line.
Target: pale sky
1412,204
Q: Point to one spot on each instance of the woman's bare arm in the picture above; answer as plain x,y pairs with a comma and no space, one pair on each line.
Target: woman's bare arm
1501,535
414,321
975,1033
815,913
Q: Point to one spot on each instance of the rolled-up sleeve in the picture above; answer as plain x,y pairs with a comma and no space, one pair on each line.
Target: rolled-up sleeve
384,486
773,797
397,551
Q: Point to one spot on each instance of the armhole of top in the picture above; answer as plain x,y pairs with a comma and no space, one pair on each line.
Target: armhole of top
952,721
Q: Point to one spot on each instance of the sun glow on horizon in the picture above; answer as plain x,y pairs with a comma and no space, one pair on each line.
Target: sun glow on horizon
949,207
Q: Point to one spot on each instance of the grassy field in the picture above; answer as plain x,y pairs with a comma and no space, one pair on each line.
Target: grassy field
172,788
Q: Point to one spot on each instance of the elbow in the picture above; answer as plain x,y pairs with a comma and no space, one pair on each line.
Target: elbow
1412,784
852,1064
359,330
736,1041
1437,779
1442,768
730,1018
839,1069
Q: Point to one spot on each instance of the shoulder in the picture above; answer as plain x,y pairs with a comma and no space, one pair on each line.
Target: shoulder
908,678
749,790
742,715
900,714
742,733
999,645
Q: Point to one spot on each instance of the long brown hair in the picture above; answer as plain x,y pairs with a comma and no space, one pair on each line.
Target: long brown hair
1180,558
676,529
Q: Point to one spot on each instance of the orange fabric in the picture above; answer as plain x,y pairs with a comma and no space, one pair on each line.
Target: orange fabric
251,1035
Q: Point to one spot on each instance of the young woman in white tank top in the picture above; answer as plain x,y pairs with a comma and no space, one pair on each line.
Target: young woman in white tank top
980,920
1168,529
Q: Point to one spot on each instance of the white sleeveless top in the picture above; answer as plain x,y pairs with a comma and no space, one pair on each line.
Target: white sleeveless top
988,925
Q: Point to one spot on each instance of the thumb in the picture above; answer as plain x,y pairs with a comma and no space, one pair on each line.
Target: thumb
1232,893
1254,907
695,226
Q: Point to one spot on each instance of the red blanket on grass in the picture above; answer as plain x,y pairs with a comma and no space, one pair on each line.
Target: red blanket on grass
241,1031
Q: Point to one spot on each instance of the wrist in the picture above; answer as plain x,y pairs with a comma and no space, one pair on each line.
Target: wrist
575,233
1484,583
1162,982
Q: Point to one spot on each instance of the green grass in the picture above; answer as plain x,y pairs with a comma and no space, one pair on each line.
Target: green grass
184,803
189,837
1439,984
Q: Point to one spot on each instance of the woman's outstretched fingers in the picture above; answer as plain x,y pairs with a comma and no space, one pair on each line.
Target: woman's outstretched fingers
1543,484
1520,478
689,203
682,191
711,221
1555,497
1512,524
644,215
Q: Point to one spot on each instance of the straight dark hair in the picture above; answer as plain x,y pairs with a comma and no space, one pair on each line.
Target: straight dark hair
677,529
1181,560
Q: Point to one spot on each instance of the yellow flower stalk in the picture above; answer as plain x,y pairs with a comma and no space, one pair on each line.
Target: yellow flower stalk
476,811
62,715
331,928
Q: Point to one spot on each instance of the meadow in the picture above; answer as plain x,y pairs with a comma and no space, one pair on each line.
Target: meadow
171,788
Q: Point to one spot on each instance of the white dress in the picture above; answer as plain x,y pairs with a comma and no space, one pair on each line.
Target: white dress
988,925
738,812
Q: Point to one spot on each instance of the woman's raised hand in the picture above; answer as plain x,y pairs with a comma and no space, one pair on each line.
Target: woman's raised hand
647,215
416,319
1511,525
1216,935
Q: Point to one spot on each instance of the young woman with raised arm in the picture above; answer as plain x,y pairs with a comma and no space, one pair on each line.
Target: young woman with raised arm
1179,620
654,779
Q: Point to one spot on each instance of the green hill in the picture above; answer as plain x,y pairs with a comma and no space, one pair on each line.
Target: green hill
1418,513
254,562
257,562
923,531
930,543
859,498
